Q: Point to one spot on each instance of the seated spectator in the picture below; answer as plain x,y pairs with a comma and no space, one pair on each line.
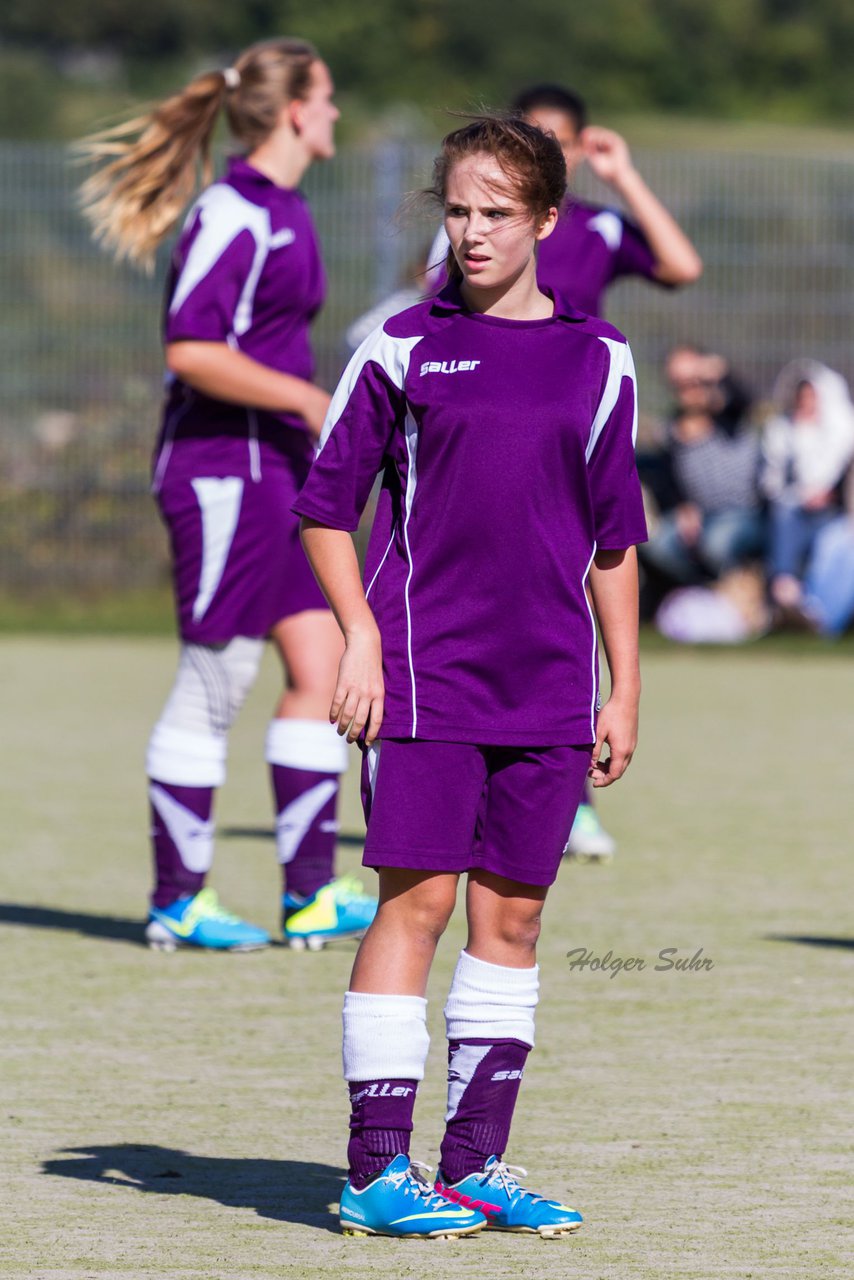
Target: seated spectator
715,522
829,580
704,379
806,450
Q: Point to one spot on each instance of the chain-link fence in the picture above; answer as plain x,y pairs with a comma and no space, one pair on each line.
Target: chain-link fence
80,388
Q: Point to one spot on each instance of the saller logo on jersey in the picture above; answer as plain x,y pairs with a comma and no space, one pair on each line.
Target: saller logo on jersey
448,366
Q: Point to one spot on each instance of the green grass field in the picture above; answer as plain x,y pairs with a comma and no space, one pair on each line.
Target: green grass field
183,1116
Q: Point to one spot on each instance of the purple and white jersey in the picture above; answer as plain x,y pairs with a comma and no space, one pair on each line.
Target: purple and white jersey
507,449
246,271
589,248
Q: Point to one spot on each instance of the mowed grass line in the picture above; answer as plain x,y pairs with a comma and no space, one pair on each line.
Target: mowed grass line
184,1115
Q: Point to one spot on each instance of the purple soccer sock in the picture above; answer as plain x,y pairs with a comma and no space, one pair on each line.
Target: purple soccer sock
380,1125
483,1084
306,827
306,759
182,839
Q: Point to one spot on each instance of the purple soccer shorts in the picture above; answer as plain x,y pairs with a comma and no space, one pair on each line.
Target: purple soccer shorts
453,806
238,564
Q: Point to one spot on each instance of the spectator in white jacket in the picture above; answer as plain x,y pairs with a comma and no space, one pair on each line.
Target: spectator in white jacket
807,449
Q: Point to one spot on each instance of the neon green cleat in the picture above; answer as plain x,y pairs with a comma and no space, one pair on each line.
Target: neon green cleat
199,921
340,909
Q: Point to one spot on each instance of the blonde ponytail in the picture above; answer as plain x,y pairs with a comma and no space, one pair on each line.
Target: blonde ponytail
152,165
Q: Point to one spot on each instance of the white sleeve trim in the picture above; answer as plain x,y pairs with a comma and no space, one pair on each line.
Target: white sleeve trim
621,366
224,215
391,354
610,226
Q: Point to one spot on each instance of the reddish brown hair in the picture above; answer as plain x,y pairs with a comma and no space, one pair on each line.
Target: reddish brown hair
531,160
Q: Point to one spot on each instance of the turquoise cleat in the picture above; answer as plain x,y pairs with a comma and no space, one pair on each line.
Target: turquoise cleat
401,1202
588,840
201,922
507,1206
340,909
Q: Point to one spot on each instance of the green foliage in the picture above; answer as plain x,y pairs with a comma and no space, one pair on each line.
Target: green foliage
772,59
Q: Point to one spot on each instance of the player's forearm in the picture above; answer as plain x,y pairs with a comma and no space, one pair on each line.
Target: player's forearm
219,371
332,556
677,261
614,586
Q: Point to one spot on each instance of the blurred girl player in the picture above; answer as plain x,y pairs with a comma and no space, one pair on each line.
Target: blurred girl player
239,423
592,247
502,420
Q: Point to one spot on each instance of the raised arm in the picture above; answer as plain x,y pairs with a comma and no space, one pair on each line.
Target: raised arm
614,587
357,703
676,259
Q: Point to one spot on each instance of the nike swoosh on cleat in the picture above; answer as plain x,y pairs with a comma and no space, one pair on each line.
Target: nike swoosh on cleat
175,926
462,1215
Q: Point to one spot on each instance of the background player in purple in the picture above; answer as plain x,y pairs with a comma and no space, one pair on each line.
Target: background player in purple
592,246
503,422
240,419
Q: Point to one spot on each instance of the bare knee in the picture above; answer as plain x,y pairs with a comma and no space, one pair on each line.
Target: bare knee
422,911
518,931
505,937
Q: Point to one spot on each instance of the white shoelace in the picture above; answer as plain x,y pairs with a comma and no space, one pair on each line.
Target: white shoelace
502,1174
414,1181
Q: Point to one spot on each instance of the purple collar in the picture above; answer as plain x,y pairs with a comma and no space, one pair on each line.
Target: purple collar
449,298
239,167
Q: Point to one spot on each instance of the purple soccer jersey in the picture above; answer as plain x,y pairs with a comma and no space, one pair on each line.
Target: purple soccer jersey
507,449
247,272
589,248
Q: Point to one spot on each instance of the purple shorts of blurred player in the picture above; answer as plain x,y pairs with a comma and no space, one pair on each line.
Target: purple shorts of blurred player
238,564
452,806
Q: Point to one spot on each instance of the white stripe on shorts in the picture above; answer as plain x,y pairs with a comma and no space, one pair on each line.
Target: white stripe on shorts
219,501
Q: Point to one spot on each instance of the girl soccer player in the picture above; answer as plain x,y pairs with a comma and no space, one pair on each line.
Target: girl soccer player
502,420
240,419
591,248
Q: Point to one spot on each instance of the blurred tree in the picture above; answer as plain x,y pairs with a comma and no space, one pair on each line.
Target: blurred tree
783,59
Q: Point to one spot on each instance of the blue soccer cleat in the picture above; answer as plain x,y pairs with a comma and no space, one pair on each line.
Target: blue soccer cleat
507,1206
200,921
340,909
401,1202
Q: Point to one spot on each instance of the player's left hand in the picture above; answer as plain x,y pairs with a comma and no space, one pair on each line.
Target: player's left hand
618,726
606,152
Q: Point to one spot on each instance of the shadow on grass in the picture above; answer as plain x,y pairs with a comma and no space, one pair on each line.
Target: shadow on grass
285,1190
114,928
812,940
267,833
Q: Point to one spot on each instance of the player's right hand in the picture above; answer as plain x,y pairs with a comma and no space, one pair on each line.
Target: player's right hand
359,697
606,152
